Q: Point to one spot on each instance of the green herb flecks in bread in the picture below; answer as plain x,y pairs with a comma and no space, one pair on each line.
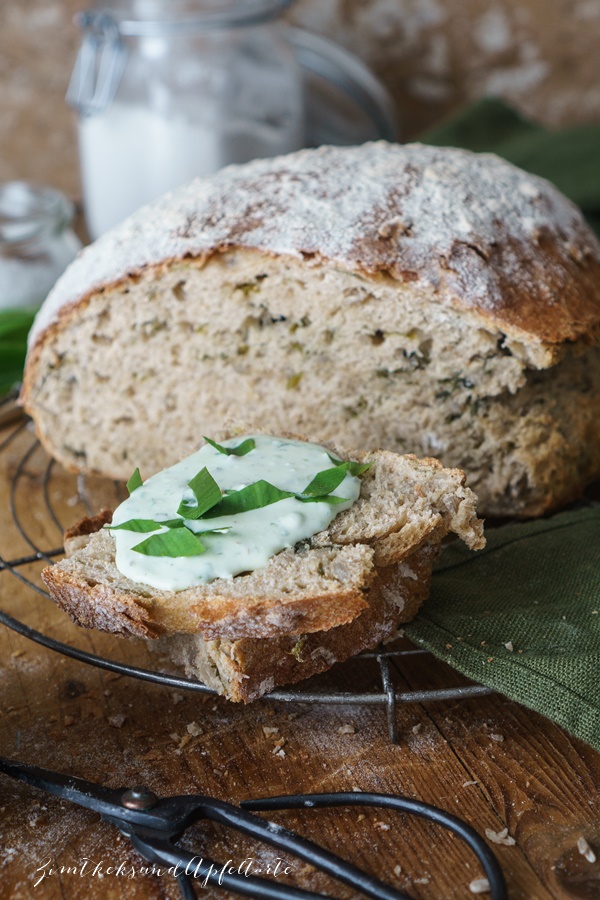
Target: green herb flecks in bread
421,299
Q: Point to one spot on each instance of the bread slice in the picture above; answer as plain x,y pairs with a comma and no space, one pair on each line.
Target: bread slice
345,589
422,299
247,668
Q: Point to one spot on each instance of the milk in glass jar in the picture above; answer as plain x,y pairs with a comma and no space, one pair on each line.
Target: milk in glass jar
170,89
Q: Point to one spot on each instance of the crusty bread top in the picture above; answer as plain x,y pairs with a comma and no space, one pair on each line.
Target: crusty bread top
482,234
404,503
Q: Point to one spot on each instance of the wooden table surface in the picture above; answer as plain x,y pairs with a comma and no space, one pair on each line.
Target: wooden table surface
488,760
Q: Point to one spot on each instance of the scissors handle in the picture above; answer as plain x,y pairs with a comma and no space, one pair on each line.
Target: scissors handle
208,872
154,827
277,836
489,863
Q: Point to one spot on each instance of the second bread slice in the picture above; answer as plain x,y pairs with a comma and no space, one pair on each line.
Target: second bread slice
345,589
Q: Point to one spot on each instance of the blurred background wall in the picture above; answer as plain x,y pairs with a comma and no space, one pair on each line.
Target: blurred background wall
434,55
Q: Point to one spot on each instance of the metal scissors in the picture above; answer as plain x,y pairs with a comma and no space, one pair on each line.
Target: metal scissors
154,825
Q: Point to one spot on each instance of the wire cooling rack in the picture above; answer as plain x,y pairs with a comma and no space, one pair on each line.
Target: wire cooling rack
26,455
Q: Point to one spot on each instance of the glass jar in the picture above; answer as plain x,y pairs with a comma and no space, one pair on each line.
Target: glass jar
36,242
171,89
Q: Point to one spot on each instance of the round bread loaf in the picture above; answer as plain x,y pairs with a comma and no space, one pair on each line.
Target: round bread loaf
414,298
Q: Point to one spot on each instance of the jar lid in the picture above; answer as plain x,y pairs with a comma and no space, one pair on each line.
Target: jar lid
345,103
149,18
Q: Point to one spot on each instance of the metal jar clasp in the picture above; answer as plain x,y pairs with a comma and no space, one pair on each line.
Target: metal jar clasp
99,65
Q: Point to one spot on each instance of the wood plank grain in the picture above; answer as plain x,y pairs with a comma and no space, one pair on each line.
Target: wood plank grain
543,783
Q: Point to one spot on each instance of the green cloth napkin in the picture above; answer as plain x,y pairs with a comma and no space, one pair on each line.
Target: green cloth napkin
535,588
568,157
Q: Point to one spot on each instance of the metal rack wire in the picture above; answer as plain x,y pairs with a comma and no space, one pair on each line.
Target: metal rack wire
388,697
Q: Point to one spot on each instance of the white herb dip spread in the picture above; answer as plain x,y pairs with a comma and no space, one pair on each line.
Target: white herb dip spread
253,536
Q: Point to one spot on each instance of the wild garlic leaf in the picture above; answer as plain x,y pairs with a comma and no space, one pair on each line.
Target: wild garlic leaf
173,543
326,481
134,482
324,498
16,322
141,525
241,449
358,469
352,467
224,530
187,509
254,496
207,493
14,326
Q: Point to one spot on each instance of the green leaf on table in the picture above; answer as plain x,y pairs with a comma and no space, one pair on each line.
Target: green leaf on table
172,543
16,322
14,328
482,127
8,379
207,493
11,354
241,449
568,157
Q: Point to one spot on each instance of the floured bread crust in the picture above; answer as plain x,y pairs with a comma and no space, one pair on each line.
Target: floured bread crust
483,234
424,300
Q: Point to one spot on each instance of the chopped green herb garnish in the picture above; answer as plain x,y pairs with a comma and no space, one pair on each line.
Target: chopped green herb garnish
357,469
180,540
134,482
173,543
254,496
326,481
323,498
144,525
221,530
262,493
352,467
207,493
241,449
